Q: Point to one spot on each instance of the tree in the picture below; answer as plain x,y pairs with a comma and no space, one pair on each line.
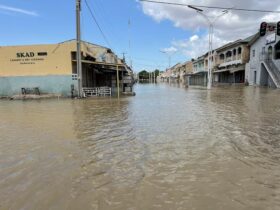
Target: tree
143,74
157,72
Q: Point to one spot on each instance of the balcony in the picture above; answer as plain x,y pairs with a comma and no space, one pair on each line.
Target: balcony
230,62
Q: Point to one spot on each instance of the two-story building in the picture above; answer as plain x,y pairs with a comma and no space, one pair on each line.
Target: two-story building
200,73
185,69
264,66
231,61
175,73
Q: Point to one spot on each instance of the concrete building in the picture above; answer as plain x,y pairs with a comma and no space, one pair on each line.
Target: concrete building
264,66
175,73
230,62
52,68
185,69
199,75
165,76
171,74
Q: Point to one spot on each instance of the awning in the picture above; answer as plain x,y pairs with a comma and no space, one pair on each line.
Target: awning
236,69
230,70
222,70
200,72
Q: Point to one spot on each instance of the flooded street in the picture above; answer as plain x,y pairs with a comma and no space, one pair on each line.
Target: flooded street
165,148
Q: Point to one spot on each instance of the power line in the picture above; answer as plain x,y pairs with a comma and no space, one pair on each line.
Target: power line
101,31
211,7
102,12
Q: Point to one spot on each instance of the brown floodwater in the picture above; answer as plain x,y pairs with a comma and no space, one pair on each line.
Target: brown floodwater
166,148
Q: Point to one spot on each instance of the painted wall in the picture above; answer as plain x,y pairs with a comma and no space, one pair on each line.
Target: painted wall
198,66
55,84
35,60
260,48
53,59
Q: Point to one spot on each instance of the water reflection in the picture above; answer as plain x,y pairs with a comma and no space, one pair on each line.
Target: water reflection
167,148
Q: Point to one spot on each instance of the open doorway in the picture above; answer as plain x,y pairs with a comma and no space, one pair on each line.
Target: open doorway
269,57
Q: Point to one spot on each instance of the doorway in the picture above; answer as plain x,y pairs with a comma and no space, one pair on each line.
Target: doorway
255,77
270,53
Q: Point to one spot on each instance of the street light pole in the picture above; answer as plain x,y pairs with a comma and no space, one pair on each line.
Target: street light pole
169,61
211,32
169,57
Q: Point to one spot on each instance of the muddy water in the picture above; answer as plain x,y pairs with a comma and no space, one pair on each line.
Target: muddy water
166,148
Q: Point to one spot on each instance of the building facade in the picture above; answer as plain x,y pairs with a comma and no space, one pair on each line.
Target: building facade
185,69
53,69
200,73
264,66
231,60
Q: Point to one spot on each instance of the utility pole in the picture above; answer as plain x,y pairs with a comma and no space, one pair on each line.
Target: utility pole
78,54
122,71
118,81
169,54
123,54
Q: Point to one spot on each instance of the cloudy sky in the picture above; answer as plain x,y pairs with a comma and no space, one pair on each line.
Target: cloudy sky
234,25
154,28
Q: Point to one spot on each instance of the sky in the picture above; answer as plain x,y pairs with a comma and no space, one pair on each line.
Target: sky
155,31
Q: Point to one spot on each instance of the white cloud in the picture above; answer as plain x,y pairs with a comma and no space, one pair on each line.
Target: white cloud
194,38
230,27
17,10
170,50
196,46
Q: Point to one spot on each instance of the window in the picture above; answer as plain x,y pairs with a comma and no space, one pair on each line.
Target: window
228,54
239,50
263,50
253,53
42,53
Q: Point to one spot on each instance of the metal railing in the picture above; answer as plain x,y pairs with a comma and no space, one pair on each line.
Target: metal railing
274,71
266,58
97,91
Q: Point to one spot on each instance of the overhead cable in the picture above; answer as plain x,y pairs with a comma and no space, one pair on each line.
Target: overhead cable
100,29
211,7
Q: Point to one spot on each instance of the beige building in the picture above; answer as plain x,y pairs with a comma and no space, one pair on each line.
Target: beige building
231,60
184,69
52,68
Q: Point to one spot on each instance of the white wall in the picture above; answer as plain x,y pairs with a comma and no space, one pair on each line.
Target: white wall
255,61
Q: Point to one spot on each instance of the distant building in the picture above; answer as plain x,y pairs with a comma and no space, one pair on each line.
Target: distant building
200,73
171,74
52,68
185,69
175,73
264,66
